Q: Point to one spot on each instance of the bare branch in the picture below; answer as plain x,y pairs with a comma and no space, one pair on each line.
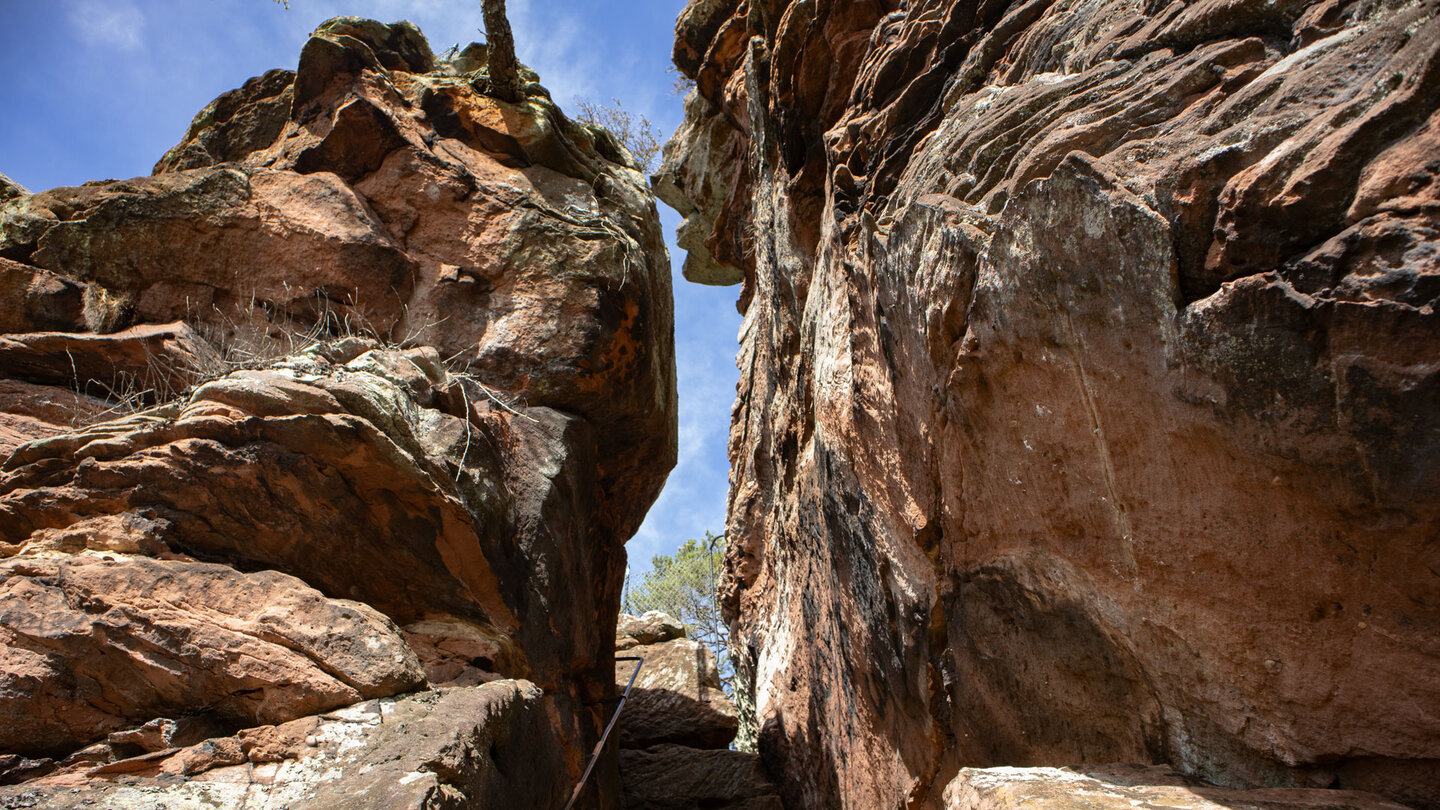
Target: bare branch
639,137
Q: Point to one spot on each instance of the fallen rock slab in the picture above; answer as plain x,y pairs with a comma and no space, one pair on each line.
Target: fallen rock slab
139,366
92,643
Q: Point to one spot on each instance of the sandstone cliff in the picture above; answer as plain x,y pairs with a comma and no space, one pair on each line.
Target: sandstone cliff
353,403
1090,384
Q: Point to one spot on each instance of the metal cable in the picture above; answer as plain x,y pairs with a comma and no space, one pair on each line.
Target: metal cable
599,746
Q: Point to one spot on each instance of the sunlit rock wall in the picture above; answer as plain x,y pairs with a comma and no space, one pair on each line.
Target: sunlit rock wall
1088,404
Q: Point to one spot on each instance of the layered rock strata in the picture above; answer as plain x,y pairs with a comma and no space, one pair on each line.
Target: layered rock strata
1088,385
675,729
479,746
358,396
676,696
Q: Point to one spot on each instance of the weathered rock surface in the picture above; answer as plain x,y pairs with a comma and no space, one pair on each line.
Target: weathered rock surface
359,395
94,644
29,412
648,628
675,777
1126,788
1089,393
676,697
37,300
480,746
9,189
674,728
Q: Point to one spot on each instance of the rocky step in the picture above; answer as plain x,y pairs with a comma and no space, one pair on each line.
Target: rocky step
675,777
677,724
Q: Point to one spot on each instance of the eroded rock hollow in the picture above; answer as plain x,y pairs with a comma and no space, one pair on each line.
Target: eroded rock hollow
322,443
1089,402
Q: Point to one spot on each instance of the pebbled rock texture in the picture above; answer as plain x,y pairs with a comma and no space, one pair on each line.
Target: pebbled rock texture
1089,385
359,395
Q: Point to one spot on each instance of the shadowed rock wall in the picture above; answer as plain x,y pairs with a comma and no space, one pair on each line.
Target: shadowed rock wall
1089,404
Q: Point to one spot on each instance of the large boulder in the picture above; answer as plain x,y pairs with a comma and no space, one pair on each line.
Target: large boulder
676,697
359,395
1088,403
382,479
648,628
392,198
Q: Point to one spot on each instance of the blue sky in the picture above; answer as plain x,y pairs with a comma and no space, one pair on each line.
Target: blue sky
98,89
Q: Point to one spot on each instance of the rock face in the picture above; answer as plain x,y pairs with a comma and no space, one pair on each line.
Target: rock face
360,394
1089,395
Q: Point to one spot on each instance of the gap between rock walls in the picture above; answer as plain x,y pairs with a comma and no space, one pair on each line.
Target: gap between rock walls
1085,451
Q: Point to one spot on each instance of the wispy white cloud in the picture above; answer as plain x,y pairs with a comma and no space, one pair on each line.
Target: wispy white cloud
114,24
550,40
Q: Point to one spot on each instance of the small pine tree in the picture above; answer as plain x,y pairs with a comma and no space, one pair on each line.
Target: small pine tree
686,586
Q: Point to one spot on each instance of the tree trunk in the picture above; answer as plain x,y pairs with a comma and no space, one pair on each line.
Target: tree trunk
504,69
